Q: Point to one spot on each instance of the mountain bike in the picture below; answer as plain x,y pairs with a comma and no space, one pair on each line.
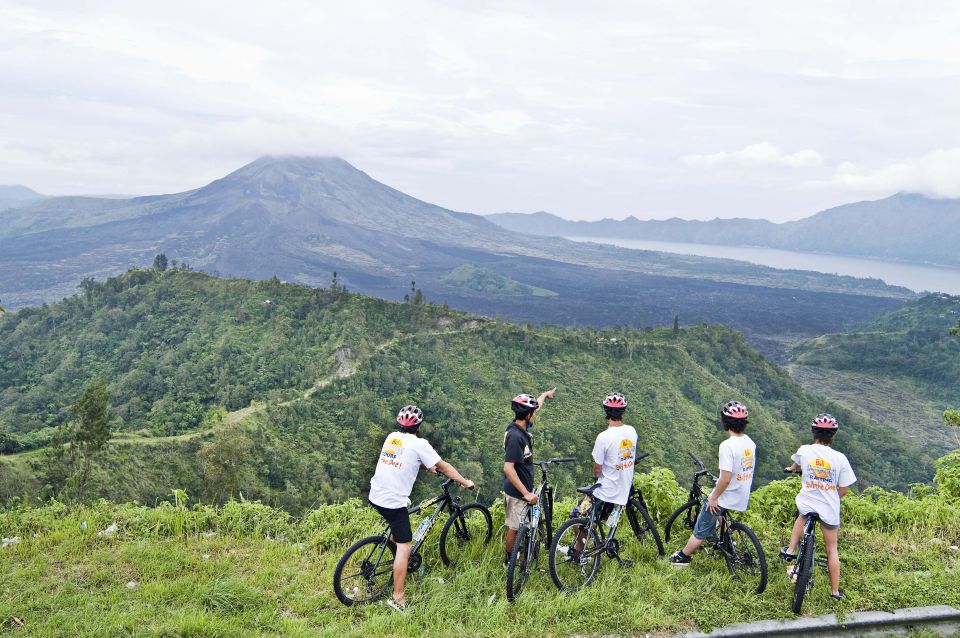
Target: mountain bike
365,572
581,541
803,572
536,527
736,542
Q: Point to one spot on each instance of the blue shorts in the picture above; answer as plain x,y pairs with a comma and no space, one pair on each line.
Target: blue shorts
706,523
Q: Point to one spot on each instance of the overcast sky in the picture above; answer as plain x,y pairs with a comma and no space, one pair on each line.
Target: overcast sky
587,110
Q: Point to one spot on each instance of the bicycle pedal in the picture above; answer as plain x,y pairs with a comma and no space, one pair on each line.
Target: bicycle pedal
626,564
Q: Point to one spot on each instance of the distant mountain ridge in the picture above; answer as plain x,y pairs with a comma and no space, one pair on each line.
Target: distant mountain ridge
303,218
903,227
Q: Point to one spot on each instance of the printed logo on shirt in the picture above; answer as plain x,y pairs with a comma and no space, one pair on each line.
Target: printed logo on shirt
391,451
526,452
820,475
626,455
746,466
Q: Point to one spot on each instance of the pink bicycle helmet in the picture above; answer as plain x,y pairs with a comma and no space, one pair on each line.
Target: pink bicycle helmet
410,416
734,410
524,404
614,400
824,421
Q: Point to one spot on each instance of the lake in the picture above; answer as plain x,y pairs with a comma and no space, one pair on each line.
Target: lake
914,277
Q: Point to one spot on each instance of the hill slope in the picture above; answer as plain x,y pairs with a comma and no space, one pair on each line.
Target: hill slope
902,368
903,227
178,348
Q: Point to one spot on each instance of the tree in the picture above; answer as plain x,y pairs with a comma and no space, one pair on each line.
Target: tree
227,462
676,324
67,461
160,262
92,429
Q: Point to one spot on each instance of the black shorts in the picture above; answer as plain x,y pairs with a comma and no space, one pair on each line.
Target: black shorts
399,520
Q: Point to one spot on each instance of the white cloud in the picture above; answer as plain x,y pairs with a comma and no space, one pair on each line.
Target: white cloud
936,174
484,107
762,154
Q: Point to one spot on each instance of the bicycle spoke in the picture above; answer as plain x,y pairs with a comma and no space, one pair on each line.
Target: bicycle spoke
576,556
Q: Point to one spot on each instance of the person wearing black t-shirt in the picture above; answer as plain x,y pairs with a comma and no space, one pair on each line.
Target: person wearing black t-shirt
518,462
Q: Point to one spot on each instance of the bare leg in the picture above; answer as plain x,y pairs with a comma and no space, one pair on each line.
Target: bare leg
400,562
693,544
833,558
509,539
797,532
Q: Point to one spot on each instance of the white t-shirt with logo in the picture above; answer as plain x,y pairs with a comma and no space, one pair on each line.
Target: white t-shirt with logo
738,455
616,451
823,472
400,459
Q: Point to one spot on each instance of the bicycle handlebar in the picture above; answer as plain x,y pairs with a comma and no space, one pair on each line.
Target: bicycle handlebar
640,457
697,462
787,470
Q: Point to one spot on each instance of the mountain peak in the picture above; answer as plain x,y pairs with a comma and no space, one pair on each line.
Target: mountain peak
18,193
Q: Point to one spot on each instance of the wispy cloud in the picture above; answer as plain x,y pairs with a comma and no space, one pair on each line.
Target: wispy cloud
762,154
936,174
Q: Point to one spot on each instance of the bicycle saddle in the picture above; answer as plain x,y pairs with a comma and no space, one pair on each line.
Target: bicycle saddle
588,490
813,515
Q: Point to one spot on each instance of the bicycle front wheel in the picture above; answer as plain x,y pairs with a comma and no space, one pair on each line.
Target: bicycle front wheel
365,573
682,520
746,560
465,532
804,573
575,555
642,525
520,563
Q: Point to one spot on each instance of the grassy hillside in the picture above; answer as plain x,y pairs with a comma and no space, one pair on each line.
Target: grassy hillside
184,354
902,369
250,570
911,344
483,280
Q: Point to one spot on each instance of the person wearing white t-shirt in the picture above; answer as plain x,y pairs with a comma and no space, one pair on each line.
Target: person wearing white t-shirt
738,455
401,457
827,476
614,455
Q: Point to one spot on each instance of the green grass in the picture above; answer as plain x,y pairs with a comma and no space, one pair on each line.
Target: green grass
250,570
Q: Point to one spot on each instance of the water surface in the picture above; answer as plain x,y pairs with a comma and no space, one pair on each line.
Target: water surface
912,276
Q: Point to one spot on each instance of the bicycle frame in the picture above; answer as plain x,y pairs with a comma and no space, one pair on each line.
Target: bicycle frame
447,502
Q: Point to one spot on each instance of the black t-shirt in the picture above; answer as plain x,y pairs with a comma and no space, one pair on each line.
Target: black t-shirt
518,449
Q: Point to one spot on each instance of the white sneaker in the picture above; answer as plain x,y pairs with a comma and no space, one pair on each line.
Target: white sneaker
400,607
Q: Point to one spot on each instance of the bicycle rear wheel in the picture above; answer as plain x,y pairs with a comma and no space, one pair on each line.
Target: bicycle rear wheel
682,520
746,560
642,525
804,573
365,572
575,555
464,533
519,565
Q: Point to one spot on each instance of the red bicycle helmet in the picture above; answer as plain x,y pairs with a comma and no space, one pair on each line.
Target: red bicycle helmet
734,410
410,416
824,421
614,400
